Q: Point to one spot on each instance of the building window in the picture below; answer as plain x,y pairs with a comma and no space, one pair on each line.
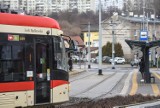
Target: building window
87,43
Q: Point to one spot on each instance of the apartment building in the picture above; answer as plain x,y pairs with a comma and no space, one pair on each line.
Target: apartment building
137,5
12,4
107,4
86,5
58,5
18,5
45,7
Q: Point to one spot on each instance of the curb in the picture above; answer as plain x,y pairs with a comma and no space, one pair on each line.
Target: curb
147,104
74,72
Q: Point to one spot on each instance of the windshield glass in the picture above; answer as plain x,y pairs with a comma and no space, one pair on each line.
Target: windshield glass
59,57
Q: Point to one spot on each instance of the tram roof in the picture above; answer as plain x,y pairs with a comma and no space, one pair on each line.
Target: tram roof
26,20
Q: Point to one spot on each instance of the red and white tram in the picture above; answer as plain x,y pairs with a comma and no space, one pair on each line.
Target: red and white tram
33,63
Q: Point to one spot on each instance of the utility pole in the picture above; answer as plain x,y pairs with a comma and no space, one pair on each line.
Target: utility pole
89,53
100,41
154,23
154,38
147,23
143,14
113,51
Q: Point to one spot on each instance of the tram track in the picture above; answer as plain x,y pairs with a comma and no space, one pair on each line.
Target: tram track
100,96
108,91
78,98
82,77
112,89
93,86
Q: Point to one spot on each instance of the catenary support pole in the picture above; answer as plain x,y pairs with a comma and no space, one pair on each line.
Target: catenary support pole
89,52
113,41
100,41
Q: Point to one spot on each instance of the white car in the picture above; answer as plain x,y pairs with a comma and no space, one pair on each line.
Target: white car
118,60
74,57
135,62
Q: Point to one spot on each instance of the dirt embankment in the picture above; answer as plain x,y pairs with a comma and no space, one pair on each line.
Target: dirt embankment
109,102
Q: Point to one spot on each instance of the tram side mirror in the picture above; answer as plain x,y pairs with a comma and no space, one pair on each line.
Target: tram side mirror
73,45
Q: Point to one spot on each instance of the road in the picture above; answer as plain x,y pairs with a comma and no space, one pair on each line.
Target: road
123,80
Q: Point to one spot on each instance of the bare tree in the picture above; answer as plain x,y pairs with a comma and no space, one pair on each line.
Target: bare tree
71,21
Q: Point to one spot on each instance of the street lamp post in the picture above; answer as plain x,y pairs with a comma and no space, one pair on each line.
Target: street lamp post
100,41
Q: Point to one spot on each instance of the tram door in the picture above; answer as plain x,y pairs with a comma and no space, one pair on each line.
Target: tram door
42,84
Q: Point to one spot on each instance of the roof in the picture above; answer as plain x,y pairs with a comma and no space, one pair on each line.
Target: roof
26,20
139,19
79,40
93,28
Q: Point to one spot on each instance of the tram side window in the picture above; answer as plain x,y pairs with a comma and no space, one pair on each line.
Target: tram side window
12,63
58,53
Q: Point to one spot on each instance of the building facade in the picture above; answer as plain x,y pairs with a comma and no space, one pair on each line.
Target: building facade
94,40
129,28
45,7
94,36
124,28
137,5
108,4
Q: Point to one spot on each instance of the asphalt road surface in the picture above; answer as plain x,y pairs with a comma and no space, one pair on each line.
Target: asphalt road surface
123,80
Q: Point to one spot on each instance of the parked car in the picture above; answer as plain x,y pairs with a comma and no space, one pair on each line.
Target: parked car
106,59
135,62
96,59
92,60
75,58
118,60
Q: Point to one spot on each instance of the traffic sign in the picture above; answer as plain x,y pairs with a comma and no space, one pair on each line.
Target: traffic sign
144,35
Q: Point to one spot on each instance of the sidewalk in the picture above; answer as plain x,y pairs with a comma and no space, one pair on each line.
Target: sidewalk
77,69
